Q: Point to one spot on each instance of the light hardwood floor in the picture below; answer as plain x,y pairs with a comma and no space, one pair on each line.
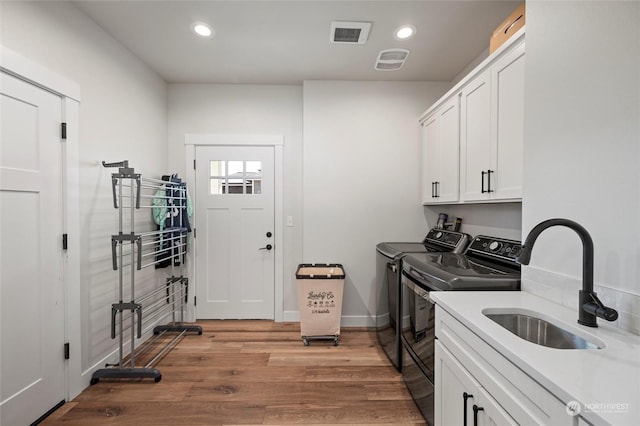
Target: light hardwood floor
254,372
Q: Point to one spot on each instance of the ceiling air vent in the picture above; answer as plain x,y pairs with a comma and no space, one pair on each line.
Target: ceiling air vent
391,59
350,32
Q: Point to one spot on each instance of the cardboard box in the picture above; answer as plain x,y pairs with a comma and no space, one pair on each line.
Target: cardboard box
507,28
320,289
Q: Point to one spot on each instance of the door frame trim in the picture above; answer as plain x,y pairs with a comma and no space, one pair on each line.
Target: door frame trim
191,141
69,92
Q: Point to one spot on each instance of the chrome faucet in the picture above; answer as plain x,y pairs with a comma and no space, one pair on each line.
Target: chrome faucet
589,306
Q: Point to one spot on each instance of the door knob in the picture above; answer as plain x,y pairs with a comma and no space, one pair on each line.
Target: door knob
267,247
269,234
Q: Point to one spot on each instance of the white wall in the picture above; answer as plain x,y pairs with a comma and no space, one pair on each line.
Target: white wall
247,109
582,148
495,219
360,179
123,115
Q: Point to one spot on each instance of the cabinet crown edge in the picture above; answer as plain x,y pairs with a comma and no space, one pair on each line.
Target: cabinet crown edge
512,43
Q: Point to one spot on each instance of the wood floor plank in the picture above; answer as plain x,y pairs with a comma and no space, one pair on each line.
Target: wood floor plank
312,360
234,373
385,392
179,359
254,373
127,390
277,393
385,373
217,326
143,413
314,347
255,336
201,345
395,412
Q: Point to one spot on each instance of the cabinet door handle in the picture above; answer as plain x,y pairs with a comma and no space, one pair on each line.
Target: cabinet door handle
475,414
482,173
489,181
433,190
437,189
465,396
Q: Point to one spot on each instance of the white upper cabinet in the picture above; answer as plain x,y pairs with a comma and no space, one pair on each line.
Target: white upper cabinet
476,132
440,146
507,133
475,139
492,115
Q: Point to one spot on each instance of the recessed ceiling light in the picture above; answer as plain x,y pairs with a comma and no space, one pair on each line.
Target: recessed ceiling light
404,32
202,30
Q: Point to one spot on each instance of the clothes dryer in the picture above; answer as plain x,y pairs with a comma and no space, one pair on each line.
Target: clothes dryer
389,255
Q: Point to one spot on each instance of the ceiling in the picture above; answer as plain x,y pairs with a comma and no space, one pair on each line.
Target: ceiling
286,42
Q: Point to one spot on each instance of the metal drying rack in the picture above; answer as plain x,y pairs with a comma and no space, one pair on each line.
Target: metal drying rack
134,251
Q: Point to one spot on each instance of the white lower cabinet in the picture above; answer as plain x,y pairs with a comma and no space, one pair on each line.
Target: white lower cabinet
477,386
460,400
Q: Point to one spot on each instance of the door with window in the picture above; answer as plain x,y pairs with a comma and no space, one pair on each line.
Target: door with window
235,232
32,364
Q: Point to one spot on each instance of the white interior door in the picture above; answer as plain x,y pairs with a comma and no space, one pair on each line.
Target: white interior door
32,324
235,232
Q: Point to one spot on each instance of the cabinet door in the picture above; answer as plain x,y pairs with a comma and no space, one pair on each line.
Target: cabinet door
456,390
507,86
489,412
440,161
430,158
475,138
448,184
460,399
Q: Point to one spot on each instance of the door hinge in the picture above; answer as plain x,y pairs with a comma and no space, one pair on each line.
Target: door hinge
66,351
63,131
65,243
194,164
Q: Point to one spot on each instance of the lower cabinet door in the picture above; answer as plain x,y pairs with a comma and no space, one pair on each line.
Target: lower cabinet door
488,412
456,390
460,399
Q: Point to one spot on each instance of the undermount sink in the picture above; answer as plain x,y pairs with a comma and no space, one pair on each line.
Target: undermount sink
529,326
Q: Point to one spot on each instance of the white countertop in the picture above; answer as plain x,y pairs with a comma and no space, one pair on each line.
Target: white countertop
606,382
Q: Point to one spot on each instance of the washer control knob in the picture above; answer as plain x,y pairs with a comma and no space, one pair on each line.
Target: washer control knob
495,245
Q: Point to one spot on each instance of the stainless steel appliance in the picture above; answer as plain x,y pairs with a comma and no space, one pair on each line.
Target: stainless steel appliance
487,264
388,271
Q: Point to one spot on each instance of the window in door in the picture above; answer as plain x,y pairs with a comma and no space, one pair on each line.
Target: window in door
235,177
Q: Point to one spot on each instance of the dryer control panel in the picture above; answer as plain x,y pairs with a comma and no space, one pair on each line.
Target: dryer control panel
493,247
441,238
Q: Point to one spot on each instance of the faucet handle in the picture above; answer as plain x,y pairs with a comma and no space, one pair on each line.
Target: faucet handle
595,299
597,308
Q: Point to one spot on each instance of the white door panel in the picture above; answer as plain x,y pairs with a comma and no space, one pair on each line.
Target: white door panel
475,138
234,214
31,282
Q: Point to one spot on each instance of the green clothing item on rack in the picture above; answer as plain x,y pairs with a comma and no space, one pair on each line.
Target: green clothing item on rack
159,210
